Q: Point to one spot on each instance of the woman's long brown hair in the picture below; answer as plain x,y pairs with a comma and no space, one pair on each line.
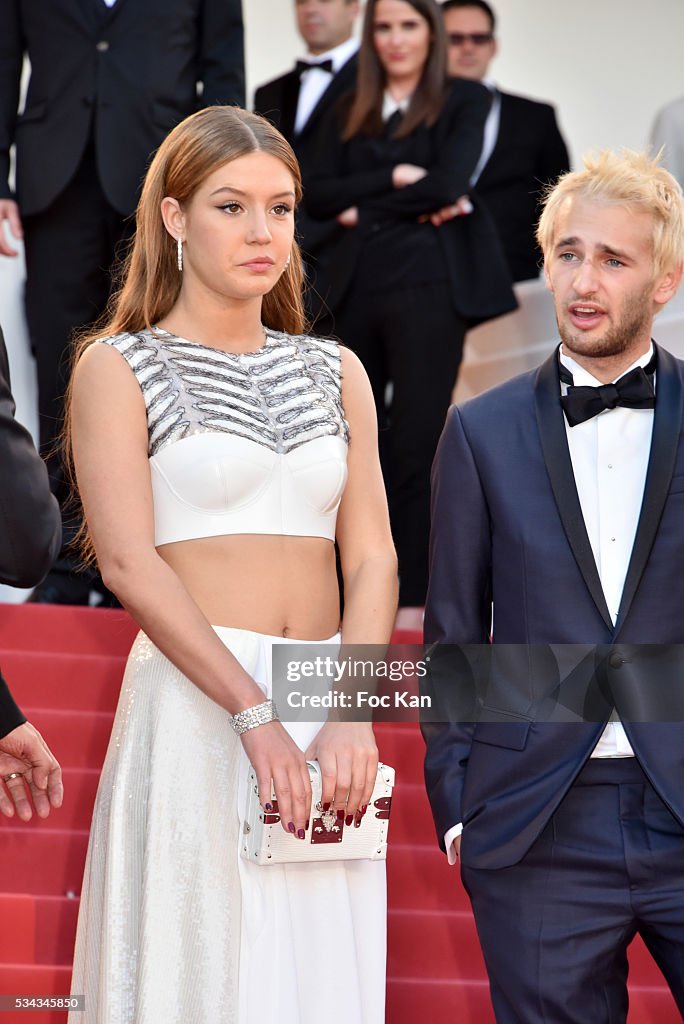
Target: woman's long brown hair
365,114
149,281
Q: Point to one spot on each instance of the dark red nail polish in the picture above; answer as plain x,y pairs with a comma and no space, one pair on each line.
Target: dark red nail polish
291,826
326,807
348,820
307,826
268,807
340,815
357,820
301,834
364,808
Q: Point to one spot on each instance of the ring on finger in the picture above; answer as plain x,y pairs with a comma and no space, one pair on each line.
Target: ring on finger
12,775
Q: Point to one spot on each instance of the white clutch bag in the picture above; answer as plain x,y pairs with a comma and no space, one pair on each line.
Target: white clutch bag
264,841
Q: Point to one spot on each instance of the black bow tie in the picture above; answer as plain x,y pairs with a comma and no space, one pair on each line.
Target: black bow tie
306,65
634,390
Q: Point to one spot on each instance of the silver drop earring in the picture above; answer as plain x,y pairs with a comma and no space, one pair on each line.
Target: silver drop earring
179,251
287,262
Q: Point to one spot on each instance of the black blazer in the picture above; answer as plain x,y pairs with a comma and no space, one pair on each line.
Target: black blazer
359,173
30,523
529,153
10,714
507,522
277,101
129,72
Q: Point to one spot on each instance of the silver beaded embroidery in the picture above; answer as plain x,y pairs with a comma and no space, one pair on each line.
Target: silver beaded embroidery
281,396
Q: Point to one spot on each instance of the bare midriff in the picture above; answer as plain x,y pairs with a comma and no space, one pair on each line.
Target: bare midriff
282,586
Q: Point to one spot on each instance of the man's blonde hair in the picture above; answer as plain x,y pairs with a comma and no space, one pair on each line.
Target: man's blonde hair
630,179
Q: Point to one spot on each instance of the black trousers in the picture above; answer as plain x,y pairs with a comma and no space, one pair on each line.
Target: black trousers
555,927
70,248
411,338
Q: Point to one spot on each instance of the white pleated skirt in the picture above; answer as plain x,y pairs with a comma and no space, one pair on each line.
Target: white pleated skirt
174,926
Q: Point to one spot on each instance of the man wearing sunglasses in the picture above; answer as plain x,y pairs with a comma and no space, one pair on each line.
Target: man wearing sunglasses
523,147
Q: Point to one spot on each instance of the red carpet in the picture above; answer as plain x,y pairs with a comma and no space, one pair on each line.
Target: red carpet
64,666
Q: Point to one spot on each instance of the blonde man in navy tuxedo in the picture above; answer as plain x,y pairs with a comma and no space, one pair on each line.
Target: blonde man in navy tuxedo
558,502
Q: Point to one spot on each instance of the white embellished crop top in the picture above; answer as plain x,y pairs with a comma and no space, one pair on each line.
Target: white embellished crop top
241,443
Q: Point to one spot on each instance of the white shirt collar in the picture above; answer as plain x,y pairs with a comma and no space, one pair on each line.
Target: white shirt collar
339,55
391,106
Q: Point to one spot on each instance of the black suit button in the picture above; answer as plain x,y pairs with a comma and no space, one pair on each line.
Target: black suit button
616,661
102,46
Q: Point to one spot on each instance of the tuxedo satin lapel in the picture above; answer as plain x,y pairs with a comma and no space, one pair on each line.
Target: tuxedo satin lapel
288,109
667,425
554,445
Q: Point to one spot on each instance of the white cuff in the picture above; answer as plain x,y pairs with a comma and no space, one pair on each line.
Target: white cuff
453,833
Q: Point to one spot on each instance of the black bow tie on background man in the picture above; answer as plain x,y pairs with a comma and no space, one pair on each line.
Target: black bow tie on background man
634,390
306,65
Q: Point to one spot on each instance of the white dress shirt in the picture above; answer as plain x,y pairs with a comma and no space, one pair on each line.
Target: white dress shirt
314,82
609,455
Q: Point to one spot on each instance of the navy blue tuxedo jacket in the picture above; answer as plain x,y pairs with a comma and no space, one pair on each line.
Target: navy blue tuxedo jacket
508,532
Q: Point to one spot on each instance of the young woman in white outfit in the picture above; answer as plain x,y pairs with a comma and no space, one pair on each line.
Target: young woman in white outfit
219,453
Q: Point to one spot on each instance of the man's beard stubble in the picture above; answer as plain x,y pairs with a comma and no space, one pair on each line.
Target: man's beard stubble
634,322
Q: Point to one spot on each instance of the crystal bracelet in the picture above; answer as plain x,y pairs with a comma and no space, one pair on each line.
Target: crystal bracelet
250,718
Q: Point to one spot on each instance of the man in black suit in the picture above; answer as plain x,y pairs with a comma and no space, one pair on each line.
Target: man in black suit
523,147
299,102
109,79
557,527
296,102
30,533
